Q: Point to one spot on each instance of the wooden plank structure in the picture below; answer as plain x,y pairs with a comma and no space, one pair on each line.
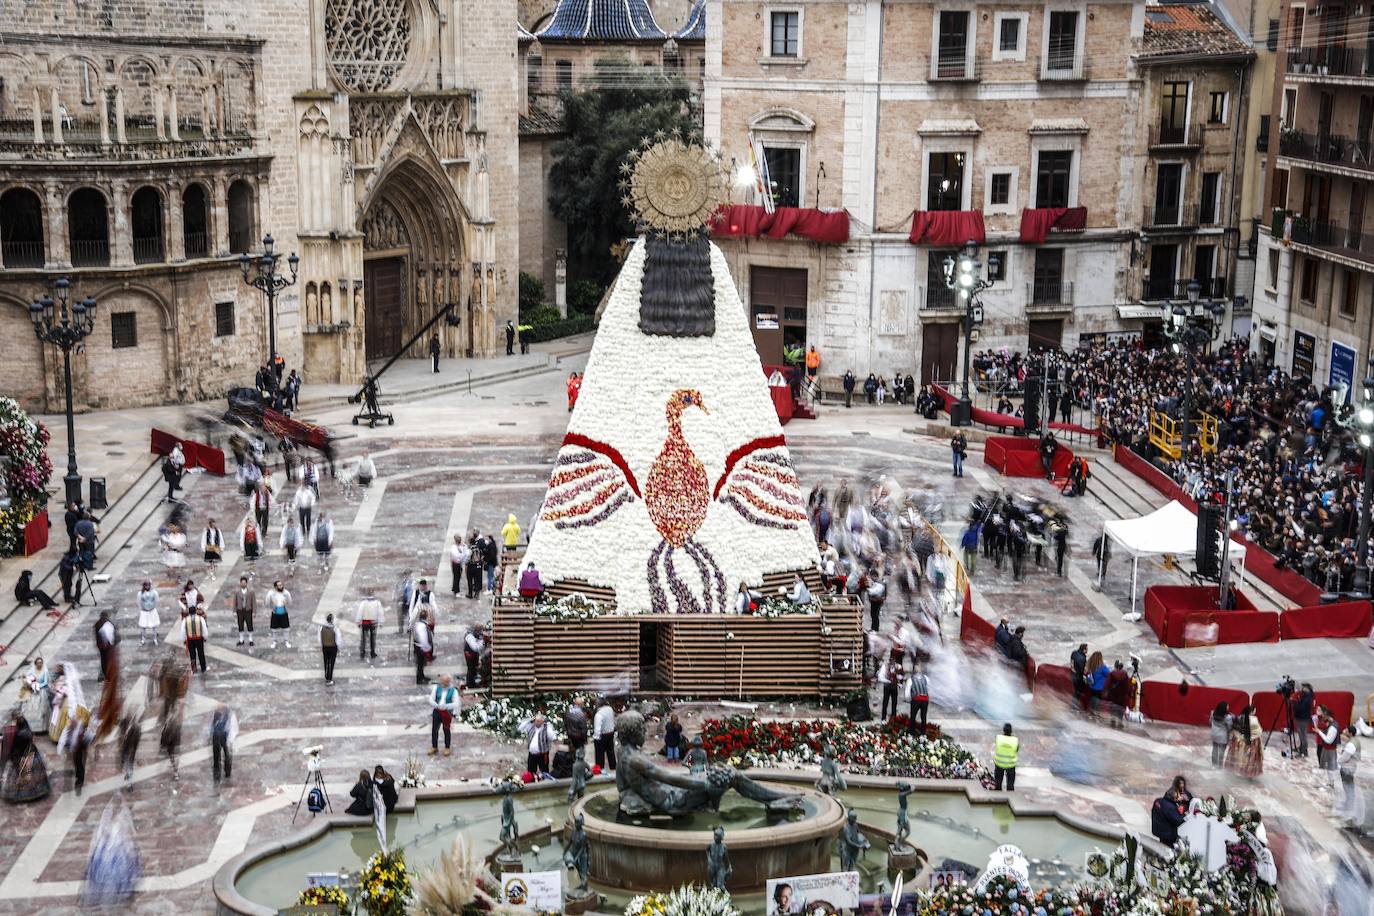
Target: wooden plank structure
729,655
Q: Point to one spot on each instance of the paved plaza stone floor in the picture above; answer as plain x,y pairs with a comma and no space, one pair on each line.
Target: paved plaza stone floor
454,462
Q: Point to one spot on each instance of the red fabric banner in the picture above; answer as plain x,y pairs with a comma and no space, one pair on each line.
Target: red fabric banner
1232,626
749,221
1036,223
197,454
210,458
947,228
162,442
1020,457
1187,704
36,533
1054,677
1345,619
1258,561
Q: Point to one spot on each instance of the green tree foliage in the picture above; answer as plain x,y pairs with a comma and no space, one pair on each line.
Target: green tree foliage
531,292
622,105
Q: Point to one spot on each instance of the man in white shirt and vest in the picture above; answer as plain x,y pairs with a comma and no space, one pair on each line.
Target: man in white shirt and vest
368,617
474,644
193,632
1004,753
603,735
422,642
539,733
918,693
445,701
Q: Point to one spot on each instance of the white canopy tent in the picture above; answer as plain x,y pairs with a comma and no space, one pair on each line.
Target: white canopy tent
1169,530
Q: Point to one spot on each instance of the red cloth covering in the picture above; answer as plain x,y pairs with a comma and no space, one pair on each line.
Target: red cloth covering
1054,677
749,221
1352,619
1166,702
1037,223
1258,561
1020,457
198,455
1269,704
1005,420
947,228
973,628
210,458
36,533
162,443
1232,626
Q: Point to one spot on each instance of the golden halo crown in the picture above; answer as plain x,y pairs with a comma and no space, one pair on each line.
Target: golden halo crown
674,186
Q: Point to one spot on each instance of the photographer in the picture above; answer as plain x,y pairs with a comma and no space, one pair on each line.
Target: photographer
87,539
1302,713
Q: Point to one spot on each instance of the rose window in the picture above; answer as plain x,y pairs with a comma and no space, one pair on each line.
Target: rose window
369,41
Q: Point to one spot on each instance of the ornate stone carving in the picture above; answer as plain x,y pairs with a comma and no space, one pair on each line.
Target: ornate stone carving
383,228
369,41
314,121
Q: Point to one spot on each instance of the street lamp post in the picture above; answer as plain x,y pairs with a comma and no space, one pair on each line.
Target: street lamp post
58,320
270,283
1364,420
965,277
1191,329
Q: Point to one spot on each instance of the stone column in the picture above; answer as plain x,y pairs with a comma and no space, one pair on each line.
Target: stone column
119,115
172,112
37,116
55,104
173,228
55,249
207,116
219,216
121,234
104,118
157,115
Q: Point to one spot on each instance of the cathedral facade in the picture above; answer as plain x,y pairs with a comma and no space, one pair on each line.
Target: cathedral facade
145,146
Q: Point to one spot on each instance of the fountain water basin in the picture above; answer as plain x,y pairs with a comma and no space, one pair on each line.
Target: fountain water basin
652,852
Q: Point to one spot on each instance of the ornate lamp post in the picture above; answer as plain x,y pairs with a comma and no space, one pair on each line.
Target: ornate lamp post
58,320
965,277
1364,422
1192,325
270,283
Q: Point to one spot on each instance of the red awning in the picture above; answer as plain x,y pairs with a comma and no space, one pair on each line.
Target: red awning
1037,223
947,228
751,221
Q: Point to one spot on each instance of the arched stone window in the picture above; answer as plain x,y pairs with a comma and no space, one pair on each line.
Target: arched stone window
240,217
21,228
138,83
195,222
145,222
88,228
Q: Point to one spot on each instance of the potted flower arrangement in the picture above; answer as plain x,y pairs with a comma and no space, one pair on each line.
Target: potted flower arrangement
384,887
689,900
26,470
412,773
320,895
576,606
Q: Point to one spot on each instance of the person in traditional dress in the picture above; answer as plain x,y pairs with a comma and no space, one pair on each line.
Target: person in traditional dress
172,541
212,544
291,540
1246,752
322,536
250,542
278,604
113,867
34,693
148,619
24,777
68,699
191,597
365,472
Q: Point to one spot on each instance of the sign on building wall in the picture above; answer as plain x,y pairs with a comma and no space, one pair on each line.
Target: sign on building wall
1342,373
892,320
1304,354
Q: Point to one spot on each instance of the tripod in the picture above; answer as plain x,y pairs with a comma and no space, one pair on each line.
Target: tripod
1290,728
313,780
84,587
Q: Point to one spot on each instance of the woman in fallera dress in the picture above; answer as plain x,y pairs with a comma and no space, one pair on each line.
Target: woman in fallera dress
24,778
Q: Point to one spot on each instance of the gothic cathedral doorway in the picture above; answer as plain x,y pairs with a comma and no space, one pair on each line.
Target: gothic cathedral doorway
385,294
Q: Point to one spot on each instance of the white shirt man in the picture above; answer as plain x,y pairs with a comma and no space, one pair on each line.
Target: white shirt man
474,644
192,598
423,644
424,599
603,735
369,616
444,701
541,738
800,593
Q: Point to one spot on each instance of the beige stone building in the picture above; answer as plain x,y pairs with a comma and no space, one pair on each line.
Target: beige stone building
1026,123
1314,293
143,146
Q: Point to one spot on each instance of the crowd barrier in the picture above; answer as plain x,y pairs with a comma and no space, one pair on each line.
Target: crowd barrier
1171,610
198,454
1187,704
1005,420
1269,706
1258,561
1346,619
1015,456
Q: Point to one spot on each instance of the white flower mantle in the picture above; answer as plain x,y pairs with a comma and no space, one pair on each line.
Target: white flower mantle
629,379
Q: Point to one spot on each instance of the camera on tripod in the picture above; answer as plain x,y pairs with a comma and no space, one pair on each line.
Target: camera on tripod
1286,686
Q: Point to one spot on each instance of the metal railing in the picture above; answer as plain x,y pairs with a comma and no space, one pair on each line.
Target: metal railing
940,297
1166,433
196,244
1157,289
1331,61
149,250
1043,292
19,144
1173,136
21,254
1175,215
90,252
1335,149
1345,240
952,64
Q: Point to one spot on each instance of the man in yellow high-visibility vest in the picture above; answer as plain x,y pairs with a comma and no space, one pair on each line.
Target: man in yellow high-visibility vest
1004,758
